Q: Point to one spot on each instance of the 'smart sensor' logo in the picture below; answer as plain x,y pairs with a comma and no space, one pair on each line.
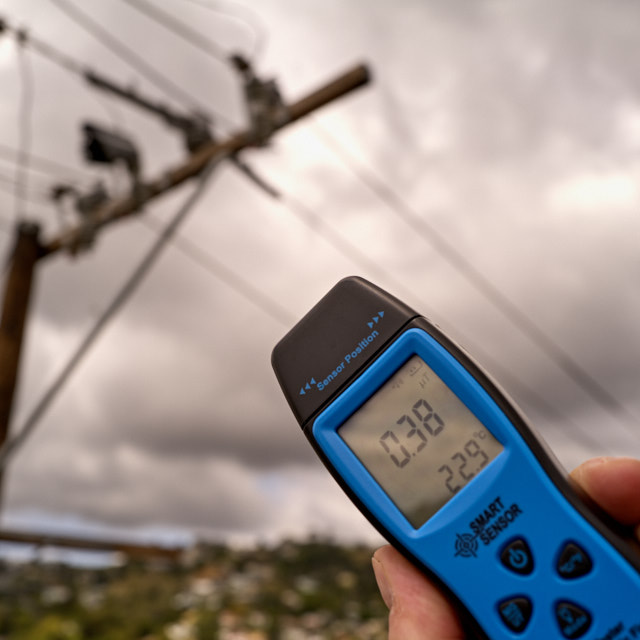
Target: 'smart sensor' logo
488,525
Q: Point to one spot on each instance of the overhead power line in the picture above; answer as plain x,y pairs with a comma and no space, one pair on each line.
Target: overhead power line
180,29
63,60
57,57
11,446
94,79
242,14
26,195
42,165
582,378
348,249
5,227
25,112
221,272
160,80
34,187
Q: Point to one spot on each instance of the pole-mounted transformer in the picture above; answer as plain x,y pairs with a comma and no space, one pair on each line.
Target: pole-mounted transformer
108,147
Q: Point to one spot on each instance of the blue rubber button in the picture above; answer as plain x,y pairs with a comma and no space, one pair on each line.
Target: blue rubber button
517,557
573,620
573,562
516,613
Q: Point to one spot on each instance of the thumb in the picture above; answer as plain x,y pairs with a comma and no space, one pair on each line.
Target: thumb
417,610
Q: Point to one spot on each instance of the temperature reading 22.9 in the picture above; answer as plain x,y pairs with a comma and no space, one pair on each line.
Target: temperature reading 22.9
465,464
423,417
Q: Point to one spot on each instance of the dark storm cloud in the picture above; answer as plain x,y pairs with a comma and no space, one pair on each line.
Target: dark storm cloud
181,415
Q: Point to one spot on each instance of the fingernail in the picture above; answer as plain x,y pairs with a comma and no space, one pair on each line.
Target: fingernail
579,471
383,581
595,462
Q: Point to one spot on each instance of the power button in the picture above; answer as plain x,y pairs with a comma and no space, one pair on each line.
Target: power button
517,557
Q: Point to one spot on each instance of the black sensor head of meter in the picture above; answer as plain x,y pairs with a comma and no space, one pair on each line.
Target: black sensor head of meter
334,342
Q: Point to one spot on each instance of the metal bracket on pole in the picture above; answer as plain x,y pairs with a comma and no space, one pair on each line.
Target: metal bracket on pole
267,111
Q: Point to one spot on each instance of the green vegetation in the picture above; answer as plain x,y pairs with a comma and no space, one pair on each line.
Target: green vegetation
296,591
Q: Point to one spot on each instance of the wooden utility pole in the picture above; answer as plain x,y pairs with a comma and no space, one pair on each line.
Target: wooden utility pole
15,307
29,249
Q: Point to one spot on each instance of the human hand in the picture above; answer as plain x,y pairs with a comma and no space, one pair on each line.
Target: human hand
418,611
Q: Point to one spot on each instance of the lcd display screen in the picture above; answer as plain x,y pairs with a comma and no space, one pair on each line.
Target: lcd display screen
419,441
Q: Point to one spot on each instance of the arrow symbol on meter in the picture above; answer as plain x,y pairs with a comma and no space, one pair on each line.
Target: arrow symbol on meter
307,387
376,319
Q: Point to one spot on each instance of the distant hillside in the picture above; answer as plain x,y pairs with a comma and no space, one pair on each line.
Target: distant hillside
296,591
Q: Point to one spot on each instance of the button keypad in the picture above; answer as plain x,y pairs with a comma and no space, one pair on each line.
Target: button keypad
572,619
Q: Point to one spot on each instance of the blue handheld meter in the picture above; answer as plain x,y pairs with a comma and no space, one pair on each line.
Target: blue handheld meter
446,468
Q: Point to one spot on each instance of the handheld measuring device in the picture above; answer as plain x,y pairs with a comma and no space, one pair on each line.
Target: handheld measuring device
446,468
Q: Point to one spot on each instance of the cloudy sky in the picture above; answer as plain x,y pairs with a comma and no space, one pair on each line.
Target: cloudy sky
489,175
